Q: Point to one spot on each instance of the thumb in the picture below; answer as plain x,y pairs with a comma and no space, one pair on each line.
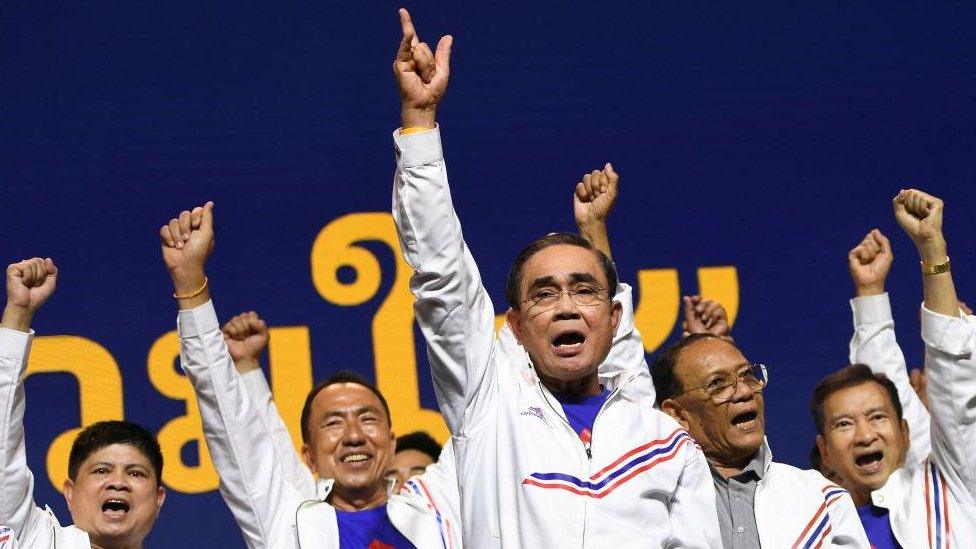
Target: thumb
442,57
206,223
689,312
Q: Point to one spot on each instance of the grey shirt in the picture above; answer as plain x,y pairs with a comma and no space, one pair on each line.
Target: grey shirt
735,498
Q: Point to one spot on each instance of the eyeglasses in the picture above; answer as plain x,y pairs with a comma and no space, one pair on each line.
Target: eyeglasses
583,295
722,388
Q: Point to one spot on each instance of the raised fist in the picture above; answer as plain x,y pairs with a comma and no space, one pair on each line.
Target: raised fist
595,196
187,242
920,216
247,337
421,75
869,263
705,316
30,283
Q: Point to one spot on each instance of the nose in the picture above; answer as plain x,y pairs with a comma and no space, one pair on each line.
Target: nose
353,435
119,481
565,307
864,434
742,391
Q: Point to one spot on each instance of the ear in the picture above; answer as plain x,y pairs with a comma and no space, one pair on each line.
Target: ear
69,492
307,458
160,498
672,408
616,312
514,320
822,447
906,432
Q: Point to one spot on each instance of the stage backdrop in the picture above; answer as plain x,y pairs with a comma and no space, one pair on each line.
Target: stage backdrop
756,147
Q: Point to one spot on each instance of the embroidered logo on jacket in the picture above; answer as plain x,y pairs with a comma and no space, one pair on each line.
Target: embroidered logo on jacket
618,473
534,411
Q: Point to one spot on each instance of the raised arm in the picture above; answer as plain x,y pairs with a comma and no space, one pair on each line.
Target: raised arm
252,481
950,341
247,336
873,343
453,309
29,284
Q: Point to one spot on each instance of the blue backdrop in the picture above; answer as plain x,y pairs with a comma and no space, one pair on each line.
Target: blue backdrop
766,139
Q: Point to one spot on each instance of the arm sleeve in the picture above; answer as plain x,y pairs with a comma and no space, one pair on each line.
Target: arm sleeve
626,355
296,473
17,508
452,307
950,370
875,346
252,481
694,518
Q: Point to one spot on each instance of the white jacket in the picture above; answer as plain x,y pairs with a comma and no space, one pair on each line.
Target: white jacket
932,499
526,478
268,489
34,527
798,508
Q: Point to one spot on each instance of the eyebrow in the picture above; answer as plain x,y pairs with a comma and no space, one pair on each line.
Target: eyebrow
356,411
574,278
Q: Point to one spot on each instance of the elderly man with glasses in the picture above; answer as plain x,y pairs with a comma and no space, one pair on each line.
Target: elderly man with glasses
706,383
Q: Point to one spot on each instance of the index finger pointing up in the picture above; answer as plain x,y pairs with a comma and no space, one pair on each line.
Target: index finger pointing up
409,33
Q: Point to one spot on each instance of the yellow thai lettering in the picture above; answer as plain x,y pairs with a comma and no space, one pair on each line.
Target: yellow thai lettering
659,305
336,246
722,285
186,429
99,389
291,375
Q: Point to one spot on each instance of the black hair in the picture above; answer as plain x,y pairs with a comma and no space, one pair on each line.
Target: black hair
344,376
514,282
846,377
420,441
106,433
666,384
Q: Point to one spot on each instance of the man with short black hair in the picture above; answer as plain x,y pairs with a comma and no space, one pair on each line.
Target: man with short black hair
551,452
115,468
913,478
414,453
346,429
707,384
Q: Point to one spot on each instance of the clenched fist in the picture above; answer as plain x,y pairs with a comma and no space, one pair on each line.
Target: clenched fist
869,263
595,196
247,337
920,216
705,316
187,242
29,285
421,76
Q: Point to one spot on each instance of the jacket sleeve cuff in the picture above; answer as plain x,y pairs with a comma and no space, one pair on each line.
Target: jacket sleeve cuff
198,321
953,335
418,149
14,344
871,309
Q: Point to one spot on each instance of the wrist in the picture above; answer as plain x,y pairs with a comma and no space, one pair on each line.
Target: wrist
247,364
187,280
932,250
869,290
412,117
17,317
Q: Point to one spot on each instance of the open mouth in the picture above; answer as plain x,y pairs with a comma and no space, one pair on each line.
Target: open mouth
746,419
355,458
115,508
568,343
869,463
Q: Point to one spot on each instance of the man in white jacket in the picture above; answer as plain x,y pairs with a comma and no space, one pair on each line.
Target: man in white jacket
714,392
114,469
911,470
346,428
550,454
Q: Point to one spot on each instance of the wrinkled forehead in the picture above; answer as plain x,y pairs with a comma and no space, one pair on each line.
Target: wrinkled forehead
706,357
563,264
